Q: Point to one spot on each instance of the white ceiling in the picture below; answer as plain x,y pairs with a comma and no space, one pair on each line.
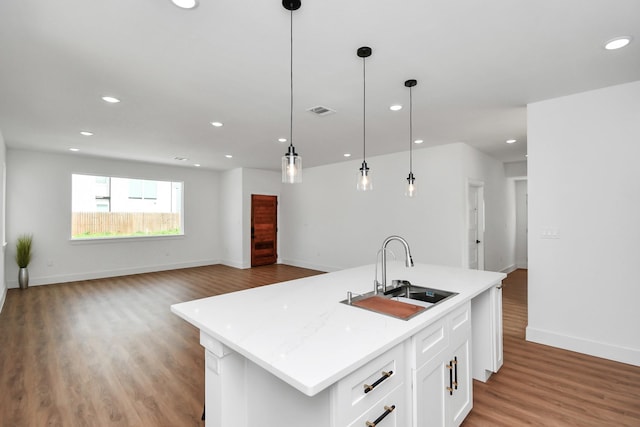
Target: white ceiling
478,64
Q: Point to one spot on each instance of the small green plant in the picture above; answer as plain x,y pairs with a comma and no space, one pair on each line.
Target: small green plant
23,250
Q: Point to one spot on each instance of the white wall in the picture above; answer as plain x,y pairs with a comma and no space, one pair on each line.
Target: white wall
584,186
499,199
39,202
231,217
515,169
237,186
328,225
3,279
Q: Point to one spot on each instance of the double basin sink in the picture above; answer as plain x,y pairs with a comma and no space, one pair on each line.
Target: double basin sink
401,300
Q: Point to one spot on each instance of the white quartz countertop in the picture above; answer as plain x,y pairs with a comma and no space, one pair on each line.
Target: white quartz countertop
301,333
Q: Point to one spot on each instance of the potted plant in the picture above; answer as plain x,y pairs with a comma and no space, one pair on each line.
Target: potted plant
23,257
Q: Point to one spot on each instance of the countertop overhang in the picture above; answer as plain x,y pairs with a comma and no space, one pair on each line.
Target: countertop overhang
300,332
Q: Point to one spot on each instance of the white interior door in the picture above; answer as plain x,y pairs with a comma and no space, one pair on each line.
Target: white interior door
475,221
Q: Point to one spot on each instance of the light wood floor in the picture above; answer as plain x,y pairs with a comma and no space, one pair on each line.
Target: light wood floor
545,386
110,353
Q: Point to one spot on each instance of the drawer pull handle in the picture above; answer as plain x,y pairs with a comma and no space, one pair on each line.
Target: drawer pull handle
387,411
385,375
455,378
450,388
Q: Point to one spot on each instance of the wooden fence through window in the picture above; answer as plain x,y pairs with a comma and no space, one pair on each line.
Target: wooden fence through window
122,223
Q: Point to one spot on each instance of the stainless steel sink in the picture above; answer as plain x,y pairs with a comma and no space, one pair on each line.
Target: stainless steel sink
405,289
402,291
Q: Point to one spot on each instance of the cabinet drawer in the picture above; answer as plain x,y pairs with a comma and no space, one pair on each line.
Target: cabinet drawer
349,396
429,342
460,323
398,417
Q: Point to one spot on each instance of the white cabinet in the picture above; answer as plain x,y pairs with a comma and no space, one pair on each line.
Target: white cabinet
376,391
442,392
424,381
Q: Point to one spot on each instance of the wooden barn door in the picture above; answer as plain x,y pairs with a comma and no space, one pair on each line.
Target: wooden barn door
264,230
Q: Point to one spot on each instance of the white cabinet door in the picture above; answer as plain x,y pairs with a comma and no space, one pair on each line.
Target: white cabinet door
443,389
460,399
429,383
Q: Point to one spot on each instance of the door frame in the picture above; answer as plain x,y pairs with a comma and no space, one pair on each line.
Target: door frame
481,222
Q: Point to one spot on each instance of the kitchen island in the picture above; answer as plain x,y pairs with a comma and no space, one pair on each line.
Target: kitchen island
290,354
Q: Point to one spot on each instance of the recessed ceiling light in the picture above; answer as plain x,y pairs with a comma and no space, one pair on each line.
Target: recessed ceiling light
185,4
74,149
418,141
196,165
282,139
510,141
216,124
85,133
396,107
228,156
617,43
110,99
347,154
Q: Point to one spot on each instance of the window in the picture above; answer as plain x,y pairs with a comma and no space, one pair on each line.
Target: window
103,207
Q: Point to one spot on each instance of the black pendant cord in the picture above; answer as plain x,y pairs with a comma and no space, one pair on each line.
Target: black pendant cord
410,131
291,81
364,110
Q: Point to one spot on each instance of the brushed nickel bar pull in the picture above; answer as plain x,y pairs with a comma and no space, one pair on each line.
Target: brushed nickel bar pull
385,375
387,411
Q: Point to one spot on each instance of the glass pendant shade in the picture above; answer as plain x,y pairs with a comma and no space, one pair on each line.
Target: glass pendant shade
291,167
364,182
412,189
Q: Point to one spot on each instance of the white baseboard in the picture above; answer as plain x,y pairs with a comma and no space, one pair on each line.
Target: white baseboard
593,348
234,264
509,269
303,264
48,280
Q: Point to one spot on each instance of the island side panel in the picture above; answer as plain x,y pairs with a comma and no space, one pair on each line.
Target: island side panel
239,393
225,392
486,314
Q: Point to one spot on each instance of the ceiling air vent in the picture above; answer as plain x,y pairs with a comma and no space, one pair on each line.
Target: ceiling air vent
321,111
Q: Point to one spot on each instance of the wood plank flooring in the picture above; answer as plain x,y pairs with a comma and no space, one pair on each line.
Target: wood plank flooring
545,386
110,353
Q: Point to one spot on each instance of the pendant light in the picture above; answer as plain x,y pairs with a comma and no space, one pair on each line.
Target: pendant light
364,174
411,190
291,161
